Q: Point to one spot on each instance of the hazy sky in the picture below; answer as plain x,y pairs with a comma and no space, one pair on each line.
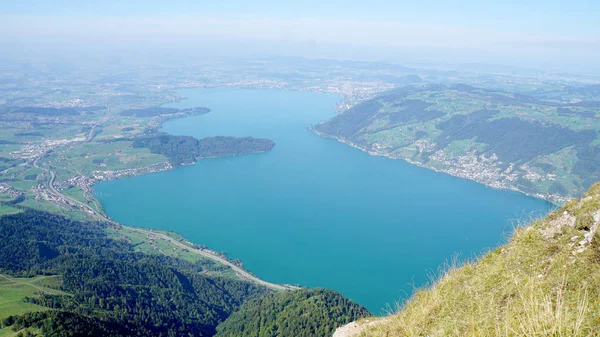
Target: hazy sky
529,33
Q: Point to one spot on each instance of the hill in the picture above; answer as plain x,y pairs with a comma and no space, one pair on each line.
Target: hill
109,287
186,149
60,277
313,313
542,147
158,111
544,282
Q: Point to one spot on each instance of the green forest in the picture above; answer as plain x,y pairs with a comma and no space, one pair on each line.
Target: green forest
310,313
550,147
186,149
157,111
108,289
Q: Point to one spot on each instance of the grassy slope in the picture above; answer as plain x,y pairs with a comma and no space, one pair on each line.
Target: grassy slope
14,290
544,282
142,243
416,139
9,332
4,209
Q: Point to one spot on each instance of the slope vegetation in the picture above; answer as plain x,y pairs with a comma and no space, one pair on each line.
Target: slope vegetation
312,313
60,277
544,282
503,139
186,149
111,289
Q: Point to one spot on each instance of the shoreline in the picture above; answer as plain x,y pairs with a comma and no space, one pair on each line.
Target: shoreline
554,200
99,176
108,175
241,272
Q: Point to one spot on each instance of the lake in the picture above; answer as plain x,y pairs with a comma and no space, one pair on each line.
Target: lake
313,211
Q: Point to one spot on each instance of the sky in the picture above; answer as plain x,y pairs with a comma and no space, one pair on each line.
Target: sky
537,33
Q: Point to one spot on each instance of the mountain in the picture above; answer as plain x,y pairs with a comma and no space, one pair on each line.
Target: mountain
535,145
60,277
310,313
544,282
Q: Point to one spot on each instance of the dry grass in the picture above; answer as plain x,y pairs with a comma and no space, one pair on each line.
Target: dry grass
533,286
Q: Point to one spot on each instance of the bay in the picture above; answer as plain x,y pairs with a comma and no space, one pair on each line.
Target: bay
313,211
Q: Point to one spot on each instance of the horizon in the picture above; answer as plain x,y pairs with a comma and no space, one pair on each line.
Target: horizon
539,35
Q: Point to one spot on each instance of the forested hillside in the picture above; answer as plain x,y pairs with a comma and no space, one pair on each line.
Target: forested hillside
186,149
112,289
157,111
221,146
310,313
103,287
536,145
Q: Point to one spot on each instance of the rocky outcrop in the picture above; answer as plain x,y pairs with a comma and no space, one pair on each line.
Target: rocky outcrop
354,329
545,274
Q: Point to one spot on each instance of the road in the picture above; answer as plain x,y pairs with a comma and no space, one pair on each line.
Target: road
239,271
91,135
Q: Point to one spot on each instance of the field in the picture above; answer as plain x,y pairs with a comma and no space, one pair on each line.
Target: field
8,332
14,290
86,158
4,209
48,206
507,140
64,127
142,243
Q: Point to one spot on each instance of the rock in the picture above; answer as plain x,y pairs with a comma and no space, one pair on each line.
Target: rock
347,330
555,226
354,329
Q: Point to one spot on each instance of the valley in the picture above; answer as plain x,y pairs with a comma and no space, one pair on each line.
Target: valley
227,180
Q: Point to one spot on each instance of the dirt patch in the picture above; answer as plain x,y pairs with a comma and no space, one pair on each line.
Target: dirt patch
354,329
556,225
127,159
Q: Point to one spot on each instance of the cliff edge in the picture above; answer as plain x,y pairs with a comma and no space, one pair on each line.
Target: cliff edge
544,282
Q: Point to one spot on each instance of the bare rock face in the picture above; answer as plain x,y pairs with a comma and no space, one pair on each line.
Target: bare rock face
354,329
348,330
555,226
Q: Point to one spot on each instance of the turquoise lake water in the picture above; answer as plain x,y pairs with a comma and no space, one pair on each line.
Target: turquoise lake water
314,211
